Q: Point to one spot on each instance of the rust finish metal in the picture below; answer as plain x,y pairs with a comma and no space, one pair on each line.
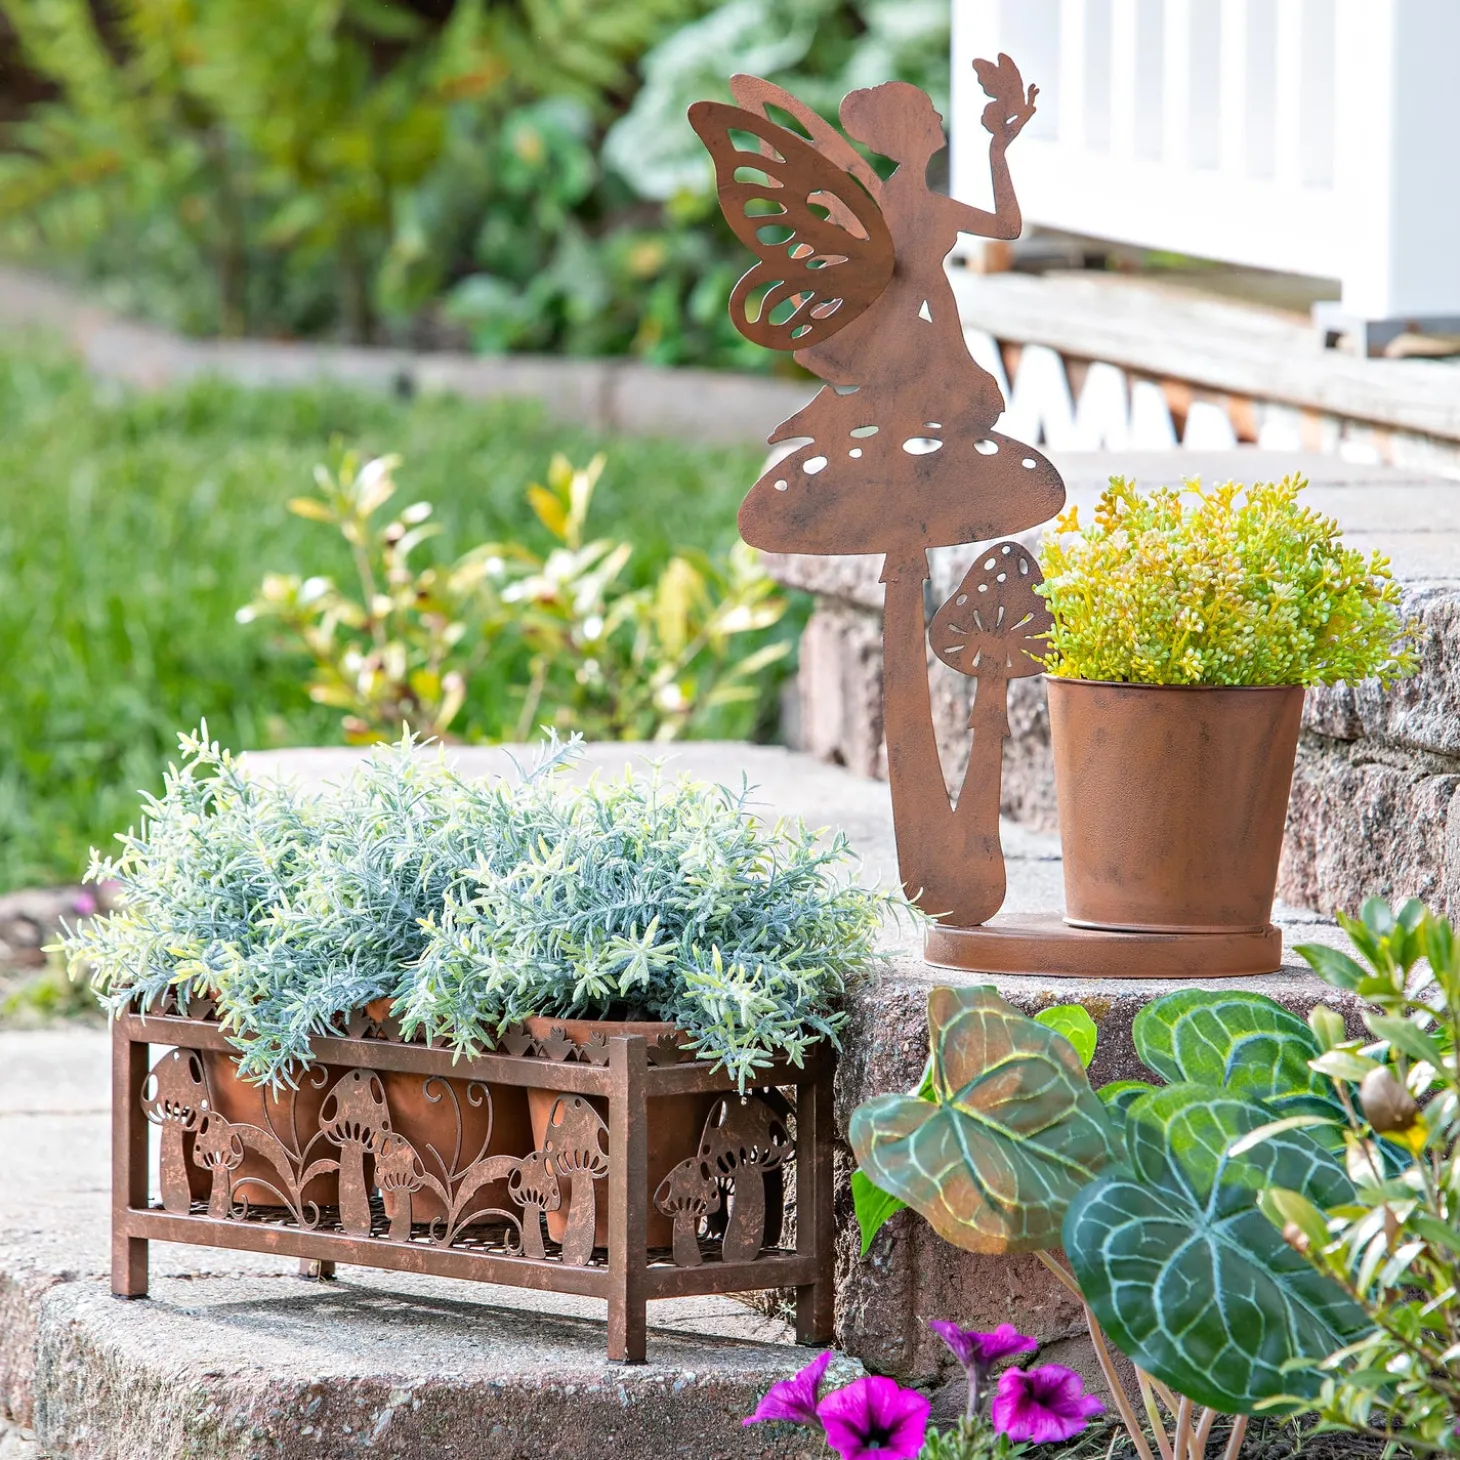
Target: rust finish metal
675,1121
902,454
898,454
1172,802
1051,947
481,1213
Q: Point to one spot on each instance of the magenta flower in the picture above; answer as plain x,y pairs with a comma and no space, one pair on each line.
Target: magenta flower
1044,1404
874,1419
793,1400
979,1352
982,1351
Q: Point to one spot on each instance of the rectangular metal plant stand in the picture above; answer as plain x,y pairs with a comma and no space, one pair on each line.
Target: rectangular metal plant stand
340,1170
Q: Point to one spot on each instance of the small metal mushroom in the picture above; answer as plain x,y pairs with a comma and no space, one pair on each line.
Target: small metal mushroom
743,1140
577,1142
990,629
689,1193
355,1118
175,1097
534,1187
218,1148
399,1172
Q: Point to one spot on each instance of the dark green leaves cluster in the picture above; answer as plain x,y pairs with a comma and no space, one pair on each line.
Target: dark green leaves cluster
1148,1188
475,904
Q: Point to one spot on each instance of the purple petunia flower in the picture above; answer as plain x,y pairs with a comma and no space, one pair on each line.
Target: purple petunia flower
875,1419
793,1399
979,1352
982,1351
1041,1405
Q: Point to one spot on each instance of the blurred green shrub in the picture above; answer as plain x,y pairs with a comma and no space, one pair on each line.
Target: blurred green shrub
134,526
352,167
603,658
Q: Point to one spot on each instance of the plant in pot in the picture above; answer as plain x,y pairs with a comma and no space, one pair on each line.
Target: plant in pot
659,907
284,916
1185,628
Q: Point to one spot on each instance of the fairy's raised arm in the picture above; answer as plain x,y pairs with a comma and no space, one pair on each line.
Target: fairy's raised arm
824,249
1009,109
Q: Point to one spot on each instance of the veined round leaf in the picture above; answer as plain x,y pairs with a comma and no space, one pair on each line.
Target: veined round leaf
1243,1043
1011,1132
1182,1269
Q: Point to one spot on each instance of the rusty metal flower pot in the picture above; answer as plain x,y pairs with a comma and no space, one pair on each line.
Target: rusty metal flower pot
676,1122
1172,801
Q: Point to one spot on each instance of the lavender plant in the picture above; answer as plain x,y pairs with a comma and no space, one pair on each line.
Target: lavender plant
472,905
649,898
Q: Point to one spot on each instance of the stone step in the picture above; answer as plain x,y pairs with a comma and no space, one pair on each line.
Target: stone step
258,1366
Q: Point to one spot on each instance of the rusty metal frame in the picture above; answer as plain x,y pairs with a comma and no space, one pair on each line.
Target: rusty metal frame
627,1274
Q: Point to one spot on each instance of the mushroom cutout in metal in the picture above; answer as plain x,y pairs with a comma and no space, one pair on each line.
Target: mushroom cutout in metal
534,1187
399,1173
689,1194
176,1099
898,454
355,1118
217,1148
577,1144
990,629
743,1140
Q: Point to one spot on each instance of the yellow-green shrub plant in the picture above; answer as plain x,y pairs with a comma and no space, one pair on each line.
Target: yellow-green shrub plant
587,650
1229,586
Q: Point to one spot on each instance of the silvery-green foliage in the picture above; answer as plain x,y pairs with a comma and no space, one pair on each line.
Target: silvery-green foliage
652,898
474,904
198,878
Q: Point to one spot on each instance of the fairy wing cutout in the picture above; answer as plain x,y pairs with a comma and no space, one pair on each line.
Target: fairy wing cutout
825,251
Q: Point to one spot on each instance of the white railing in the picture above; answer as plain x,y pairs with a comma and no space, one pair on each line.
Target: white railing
1317,137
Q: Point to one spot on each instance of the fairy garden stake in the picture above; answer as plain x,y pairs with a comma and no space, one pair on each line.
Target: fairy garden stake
898,454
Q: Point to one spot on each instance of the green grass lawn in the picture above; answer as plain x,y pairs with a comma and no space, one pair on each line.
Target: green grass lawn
133,527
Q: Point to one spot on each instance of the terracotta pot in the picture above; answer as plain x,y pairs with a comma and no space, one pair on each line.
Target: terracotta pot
1172,801
451,1118
293,1116
676,1123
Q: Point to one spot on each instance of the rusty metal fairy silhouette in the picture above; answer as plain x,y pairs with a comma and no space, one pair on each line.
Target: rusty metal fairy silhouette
902,455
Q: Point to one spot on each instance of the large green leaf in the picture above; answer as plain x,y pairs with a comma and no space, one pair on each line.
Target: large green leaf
1011,1133
1187,1276
1243,1043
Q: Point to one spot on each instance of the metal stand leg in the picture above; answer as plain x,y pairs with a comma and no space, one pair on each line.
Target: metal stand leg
815,1217
316,1270
129,1163
628,1177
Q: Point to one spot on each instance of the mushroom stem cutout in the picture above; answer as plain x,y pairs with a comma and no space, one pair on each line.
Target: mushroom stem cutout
991,629
743,1140
355,1118
175,1097
899,452
577,1145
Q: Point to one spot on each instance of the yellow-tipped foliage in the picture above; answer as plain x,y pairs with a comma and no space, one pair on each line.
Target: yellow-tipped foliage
1235,586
